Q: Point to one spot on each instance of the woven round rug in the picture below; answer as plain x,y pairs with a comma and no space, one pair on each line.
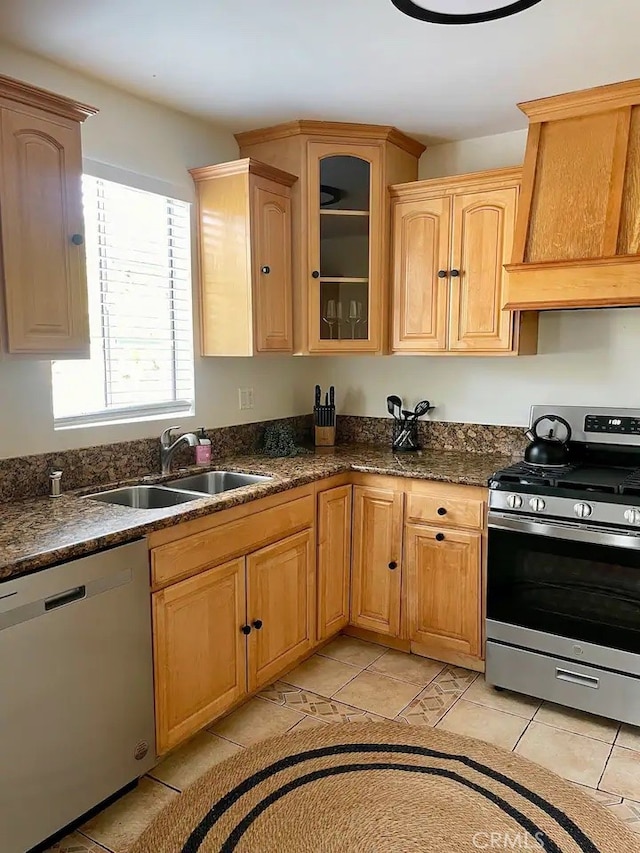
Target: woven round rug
382,788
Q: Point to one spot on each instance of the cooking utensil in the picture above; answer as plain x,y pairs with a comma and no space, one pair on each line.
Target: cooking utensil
410,418
394,406
552,450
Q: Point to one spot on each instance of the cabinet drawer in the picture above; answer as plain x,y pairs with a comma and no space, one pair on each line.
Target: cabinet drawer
442,510
185,557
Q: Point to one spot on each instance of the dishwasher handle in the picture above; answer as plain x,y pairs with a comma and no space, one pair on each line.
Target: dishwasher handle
66,597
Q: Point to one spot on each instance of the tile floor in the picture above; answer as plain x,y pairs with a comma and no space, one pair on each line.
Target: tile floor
353,680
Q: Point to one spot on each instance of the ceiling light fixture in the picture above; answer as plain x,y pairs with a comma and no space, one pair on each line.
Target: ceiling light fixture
468,13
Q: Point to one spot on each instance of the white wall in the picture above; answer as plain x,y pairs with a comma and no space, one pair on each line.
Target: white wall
144,138
585,357
472,155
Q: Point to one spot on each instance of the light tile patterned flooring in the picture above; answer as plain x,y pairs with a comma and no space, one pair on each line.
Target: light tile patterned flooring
353,680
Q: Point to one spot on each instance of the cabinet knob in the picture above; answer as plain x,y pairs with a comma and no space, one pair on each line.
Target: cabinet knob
440,537
246,629
442,273
315,274
265,270
393,565
442,510
455,273
257,624
77,239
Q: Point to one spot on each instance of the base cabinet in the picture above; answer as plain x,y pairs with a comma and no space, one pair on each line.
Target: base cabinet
376,568
280,604
443,588
229,629
334,560
199,650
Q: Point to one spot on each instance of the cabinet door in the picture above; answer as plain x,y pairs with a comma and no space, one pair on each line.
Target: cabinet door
42,235
280,606
377,554
483,228
334,560
272,270
443,588
421,250
345,247
199,651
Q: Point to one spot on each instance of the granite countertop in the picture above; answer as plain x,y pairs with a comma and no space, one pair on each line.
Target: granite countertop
41,532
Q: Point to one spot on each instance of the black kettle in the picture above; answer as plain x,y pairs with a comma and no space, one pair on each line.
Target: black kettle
551,450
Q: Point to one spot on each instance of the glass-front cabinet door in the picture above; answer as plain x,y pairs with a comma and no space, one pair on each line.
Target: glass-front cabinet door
345,248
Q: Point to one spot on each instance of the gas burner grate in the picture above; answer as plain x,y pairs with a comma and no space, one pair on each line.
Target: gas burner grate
631,485
524,472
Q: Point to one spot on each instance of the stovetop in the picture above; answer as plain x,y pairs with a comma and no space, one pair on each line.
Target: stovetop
599,486
589,478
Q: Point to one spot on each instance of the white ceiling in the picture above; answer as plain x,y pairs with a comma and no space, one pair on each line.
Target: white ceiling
248,63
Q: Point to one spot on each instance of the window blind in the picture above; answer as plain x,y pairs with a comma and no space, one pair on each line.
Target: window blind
139,275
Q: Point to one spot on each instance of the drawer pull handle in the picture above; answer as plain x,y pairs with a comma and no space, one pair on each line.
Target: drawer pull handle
442,510
257,624
393,565
246,629
577,678
440,537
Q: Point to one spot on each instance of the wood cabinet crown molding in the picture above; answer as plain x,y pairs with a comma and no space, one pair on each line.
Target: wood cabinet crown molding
583,102
32,96
577,237
246,166
496,178
347,130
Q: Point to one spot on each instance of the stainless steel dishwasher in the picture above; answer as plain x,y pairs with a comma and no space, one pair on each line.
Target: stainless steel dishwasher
76,690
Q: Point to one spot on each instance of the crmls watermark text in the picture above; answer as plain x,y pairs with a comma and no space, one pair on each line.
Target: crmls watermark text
509,841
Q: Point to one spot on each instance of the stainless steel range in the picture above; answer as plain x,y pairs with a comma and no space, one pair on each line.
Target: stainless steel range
563,578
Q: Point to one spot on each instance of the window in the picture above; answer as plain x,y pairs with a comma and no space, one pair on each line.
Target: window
139,275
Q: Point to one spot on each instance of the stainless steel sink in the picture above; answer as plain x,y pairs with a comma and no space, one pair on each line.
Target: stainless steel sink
214,482
144,497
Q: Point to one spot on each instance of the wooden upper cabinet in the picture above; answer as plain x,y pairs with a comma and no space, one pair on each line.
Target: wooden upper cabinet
421,241
244,242
272,269
376,567
577,241
42,227
280,606
340,226
334,560
451,239
443,589
483,227
199,651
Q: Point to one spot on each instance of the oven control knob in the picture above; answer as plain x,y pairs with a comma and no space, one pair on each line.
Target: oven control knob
632,516
583,510
537,504
514,501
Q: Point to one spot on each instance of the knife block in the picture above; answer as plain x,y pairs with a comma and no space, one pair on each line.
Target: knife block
325,436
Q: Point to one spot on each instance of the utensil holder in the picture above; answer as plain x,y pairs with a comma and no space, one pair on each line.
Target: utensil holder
405,436
325,436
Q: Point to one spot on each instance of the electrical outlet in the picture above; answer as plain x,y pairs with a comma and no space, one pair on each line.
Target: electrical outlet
245,398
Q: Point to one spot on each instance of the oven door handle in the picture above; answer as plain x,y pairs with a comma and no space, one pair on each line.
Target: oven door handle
556,530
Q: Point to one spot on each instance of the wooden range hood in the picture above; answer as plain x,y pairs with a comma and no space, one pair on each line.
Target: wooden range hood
577,239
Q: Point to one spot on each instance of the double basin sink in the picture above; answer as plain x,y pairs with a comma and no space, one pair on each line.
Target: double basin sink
178,491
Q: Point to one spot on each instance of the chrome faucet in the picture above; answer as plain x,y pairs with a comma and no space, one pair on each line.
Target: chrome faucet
167,449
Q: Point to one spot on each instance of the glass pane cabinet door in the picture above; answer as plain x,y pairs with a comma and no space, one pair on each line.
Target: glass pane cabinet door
342,221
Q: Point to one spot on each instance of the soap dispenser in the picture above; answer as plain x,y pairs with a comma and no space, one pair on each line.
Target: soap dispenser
203,449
